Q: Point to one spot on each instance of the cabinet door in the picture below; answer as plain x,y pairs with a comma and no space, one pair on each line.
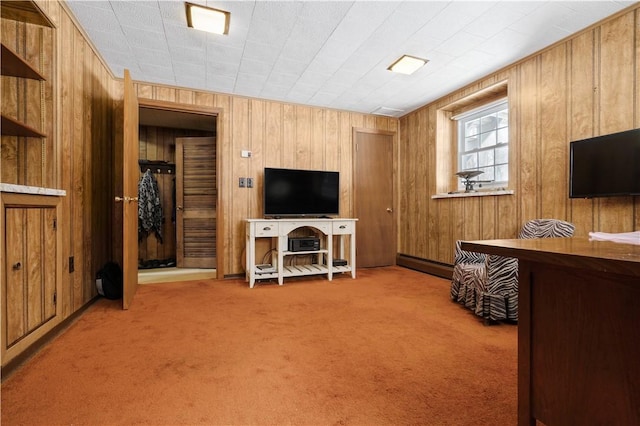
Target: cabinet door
31,270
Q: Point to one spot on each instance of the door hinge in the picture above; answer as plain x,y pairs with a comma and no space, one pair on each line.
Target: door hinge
55,224
55,297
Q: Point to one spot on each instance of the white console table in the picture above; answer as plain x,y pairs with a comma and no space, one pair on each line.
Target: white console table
279,229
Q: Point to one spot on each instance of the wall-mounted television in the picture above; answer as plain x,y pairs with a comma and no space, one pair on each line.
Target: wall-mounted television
299,193
605,166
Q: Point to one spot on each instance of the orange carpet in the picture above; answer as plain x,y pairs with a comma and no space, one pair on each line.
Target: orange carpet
388,348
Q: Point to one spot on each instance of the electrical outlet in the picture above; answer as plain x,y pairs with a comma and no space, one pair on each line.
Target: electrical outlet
249,182
242,182
72,266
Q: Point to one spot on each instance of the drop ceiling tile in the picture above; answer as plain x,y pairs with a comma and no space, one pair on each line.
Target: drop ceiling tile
420,11
282,79
173,12
276,12
143,38
493,21
197,57
157,72
461,43
154,57
181,35
504,42
223,53
190,70
445,24
222,69
261,52
289,66
139,14
533,23
248,66
105,5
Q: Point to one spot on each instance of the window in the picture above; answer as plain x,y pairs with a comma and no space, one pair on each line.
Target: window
483,143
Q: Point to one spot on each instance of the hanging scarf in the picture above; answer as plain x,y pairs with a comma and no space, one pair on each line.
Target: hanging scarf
149,206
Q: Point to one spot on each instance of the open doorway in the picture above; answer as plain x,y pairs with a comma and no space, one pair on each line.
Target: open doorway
160,236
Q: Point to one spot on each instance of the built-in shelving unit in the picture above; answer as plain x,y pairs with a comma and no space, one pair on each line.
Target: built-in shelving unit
29,211
13,65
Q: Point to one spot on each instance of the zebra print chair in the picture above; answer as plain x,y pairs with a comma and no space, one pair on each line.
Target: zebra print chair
488,284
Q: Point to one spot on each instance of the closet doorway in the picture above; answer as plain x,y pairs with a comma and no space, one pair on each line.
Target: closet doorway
185,246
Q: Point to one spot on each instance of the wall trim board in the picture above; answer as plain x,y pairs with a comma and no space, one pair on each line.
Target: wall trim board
438,269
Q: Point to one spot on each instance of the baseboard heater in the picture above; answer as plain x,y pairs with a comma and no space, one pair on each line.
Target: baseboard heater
442,270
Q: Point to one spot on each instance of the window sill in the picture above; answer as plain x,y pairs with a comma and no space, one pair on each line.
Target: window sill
462,194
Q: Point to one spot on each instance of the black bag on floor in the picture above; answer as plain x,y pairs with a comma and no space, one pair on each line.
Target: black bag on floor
109,281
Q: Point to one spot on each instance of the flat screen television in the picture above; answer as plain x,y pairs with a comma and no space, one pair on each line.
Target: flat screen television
299,193
605,166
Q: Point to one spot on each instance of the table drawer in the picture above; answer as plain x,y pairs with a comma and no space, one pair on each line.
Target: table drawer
266,229
343,227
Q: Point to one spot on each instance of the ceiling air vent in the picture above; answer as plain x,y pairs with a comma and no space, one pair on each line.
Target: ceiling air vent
389,112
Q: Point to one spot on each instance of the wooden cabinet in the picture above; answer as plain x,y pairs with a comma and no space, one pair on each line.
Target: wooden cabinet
30,269
31,249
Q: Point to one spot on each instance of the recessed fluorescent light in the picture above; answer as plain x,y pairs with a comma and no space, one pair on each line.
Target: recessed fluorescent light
407,64
207,19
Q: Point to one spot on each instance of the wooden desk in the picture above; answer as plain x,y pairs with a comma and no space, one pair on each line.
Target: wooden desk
578,330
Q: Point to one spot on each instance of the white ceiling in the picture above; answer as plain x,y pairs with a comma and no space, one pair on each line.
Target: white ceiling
331,54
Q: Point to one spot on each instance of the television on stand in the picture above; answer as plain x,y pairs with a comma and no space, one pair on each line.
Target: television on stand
301,193
605,166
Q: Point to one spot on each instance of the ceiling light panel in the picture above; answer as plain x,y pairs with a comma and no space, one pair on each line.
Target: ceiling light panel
407,64
207,19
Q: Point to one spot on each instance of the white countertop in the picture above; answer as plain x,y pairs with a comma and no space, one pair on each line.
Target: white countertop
35,190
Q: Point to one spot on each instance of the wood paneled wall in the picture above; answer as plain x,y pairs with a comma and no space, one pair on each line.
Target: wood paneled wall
584,86
83,159
278,135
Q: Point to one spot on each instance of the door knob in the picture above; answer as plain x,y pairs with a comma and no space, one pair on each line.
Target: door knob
389,209
179,208
125,198
16,266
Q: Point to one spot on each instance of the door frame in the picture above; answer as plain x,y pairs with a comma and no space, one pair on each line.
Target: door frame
216,113
394,179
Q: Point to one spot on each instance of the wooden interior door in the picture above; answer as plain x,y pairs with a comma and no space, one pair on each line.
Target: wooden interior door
196,202
131,175
374,198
